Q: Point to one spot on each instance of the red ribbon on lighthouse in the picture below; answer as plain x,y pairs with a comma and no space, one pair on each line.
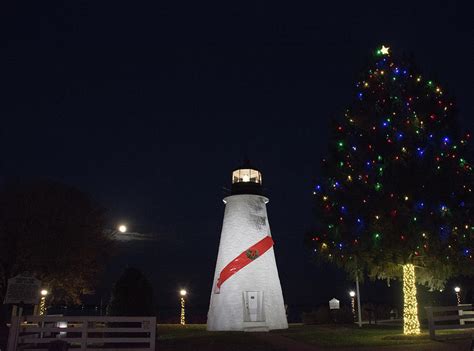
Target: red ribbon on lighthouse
246,257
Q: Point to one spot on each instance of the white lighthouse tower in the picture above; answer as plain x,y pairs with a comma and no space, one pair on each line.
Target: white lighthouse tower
246,293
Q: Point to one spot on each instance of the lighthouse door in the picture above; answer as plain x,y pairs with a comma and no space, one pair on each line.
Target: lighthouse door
253,306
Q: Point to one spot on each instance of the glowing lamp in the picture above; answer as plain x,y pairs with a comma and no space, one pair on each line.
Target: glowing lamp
352,294
42,304
122,228
457,290
182,317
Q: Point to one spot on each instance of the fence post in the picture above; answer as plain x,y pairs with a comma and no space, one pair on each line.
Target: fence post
431,325
152,333
85,325
13,332
461,312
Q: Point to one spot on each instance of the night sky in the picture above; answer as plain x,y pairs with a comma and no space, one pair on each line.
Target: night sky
150,107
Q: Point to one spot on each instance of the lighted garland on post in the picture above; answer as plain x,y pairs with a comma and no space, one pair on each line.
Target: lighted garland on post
396,190
182,319
42,306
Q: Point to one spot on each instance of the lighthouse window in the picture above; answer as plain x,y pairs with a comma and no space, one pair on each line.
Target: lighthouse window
246,175
255,176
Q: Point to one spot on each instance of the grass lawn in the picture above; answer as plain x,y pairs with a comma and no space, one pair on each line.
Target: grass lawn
174,337
341,336
195,337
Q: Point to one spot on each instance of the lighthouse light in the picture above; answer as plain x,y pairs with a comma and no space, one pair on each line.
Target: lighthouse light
246,176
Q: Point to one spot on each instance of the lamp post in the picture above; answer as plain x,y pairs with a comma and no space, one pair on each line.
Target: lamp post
352,294
42,306
182,293
457,290
359,311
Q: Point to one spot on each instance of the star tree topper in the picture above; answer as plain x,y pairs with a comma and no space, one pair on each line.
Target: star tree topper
384,50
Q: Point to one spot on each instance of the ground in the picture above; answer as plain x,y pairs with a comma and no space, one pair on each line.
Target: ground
172,337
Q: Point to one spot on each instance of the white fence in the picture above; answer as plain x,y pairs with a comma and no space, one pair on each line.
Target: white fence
83,333
468,315
450,318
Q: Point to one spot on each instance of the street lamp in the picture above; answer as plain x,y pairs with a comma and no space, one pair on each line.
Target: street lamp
183,293
352,294
457,290
42,306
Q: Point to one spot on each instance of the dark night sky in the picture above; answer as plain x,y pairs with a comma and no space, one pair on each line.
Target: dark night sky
150,107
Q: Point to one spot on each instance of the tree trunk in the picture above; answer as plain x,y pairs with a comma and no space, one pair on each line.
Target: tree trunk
411,324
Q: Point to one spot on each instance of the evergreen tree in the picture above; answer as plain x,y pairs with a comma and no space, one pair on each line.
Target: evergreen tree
396,191
132,295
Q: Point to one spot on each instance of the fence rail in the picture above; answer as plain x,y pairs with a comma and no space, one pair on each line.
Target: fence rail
83,333
458,315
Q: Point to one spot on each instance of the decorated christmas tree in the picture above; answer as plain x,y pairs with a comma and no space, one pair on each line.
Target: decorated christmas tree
395,198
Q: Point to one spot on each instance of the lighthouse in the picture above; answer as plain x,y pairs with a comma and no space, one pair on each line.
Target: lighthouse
246,292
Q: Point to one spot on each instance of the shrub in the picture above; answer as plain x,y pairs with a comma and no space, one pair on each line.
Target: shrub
132,295
322,315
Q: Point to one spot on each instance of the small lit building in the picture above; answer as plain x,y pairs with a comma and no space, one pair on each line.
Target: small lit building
246,293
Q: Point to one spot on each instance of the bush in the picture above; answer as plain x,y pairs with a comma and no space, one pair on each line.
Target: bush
132,295
322,315
375,312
